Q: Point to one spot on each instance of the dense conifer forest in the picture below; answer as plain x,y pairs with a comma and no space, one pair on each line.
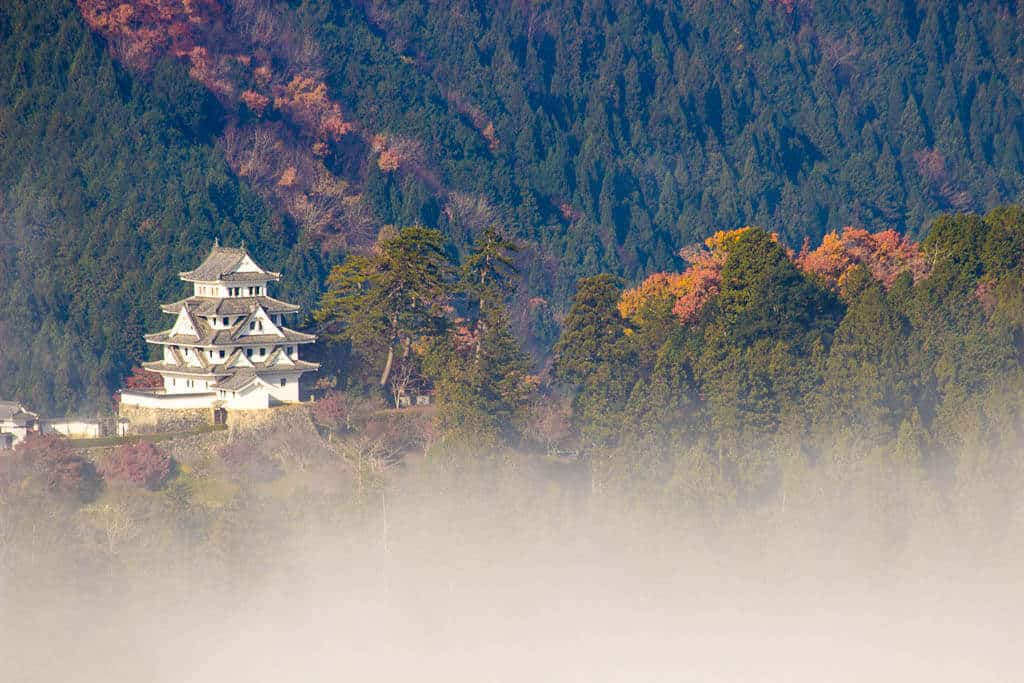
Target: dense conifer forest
602,137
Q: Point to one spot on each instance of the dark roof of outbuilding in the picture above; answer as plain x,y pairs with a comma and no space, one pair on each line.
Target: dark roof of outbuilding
9,409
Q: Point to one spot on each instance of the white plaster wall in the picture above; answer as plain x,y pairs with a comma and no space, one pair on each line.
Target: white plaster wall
255,399
288,393
223,291
19,432
79,428
179,385
169,401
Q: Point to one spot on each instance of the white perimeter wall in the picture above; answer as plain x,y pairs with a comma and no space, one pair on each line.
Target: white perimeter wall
171,401
84,428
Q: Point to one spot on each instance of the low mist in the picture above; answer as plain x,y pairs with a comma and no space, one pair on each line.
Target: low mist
506,572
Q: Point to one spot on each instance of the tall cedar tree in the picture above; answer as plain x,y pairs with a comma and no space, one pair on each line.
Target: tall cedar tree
485,395
382,302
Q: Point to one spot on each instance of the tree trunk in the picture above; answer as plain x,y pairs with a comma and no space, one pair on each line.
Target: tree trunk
479,340
387,366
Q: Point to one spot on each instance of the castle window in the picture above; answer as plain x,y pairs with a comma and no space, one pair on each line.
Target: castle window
225,322
252,325
289,350
283,381
222,353
248,353
263,351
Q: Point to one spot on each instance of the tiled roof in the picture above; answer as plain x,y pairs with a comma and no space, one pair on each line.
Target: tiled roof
160,366
211,337
219,264
237,381
246,276
9,409
207,306
220,370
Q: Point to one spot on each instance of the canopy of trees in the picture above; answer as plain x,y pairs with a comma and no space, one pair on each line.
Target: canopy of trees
870,347
603,137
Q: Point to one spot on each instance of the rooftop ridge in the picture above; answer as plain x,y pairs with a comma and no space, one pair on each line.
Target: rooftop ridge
221,262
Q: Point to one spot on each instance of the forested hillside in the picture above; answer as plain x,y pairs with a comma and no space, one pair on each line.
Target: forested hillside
108,188
623,131
606,135
603,136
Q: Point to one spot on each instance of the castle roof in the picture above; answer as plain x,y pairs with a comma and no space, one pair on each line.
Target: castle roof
224,369
237,381
203,321
207,306
211,337
228,264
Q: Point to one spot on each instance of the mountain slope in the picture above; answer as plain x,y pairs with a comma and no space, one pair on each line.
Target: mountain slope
606,136
611,134
106,193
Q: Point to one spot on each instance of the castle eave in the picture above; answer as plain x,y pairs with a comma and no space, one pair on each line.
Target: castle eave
157,366
207,306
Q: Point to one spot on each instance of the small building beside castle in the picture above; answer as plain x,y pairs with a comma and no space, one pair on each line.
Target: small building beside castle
16,423
229,346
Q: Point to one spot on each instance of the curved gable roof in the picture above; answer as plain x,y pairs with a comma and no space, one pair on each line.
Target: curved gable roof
222,264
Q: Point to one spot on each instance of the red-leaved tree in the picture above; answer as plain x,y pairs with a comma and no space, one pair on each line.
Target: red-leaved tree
64,472
887,254
143,379
139,463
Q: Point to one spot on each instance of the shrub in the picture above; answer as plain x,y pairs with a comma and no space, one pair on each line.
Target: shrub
139,463
65,473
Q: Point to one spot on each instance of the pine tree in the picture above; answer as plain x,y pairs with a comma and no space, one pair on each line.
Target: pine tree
383,302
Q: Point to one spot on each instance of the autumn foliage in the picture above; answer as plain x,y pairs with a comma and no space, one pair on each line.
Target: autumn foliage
51,460
140,463
692,288
143,379
251,59
305,101
886,254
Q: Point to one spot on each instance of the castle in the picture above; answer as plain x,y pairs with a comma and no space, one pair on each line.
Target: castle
228,347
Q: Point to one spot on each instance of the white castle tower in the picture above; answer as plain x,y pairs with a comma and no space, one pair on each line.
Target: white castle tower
229,346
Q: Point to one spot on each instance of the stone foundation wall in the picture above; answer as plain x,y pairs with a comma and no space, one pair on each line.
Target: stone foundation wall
150,420
277,416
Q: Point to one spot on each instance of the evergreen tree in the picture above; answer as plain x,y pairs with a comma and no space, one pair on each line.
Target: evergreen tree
384,302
